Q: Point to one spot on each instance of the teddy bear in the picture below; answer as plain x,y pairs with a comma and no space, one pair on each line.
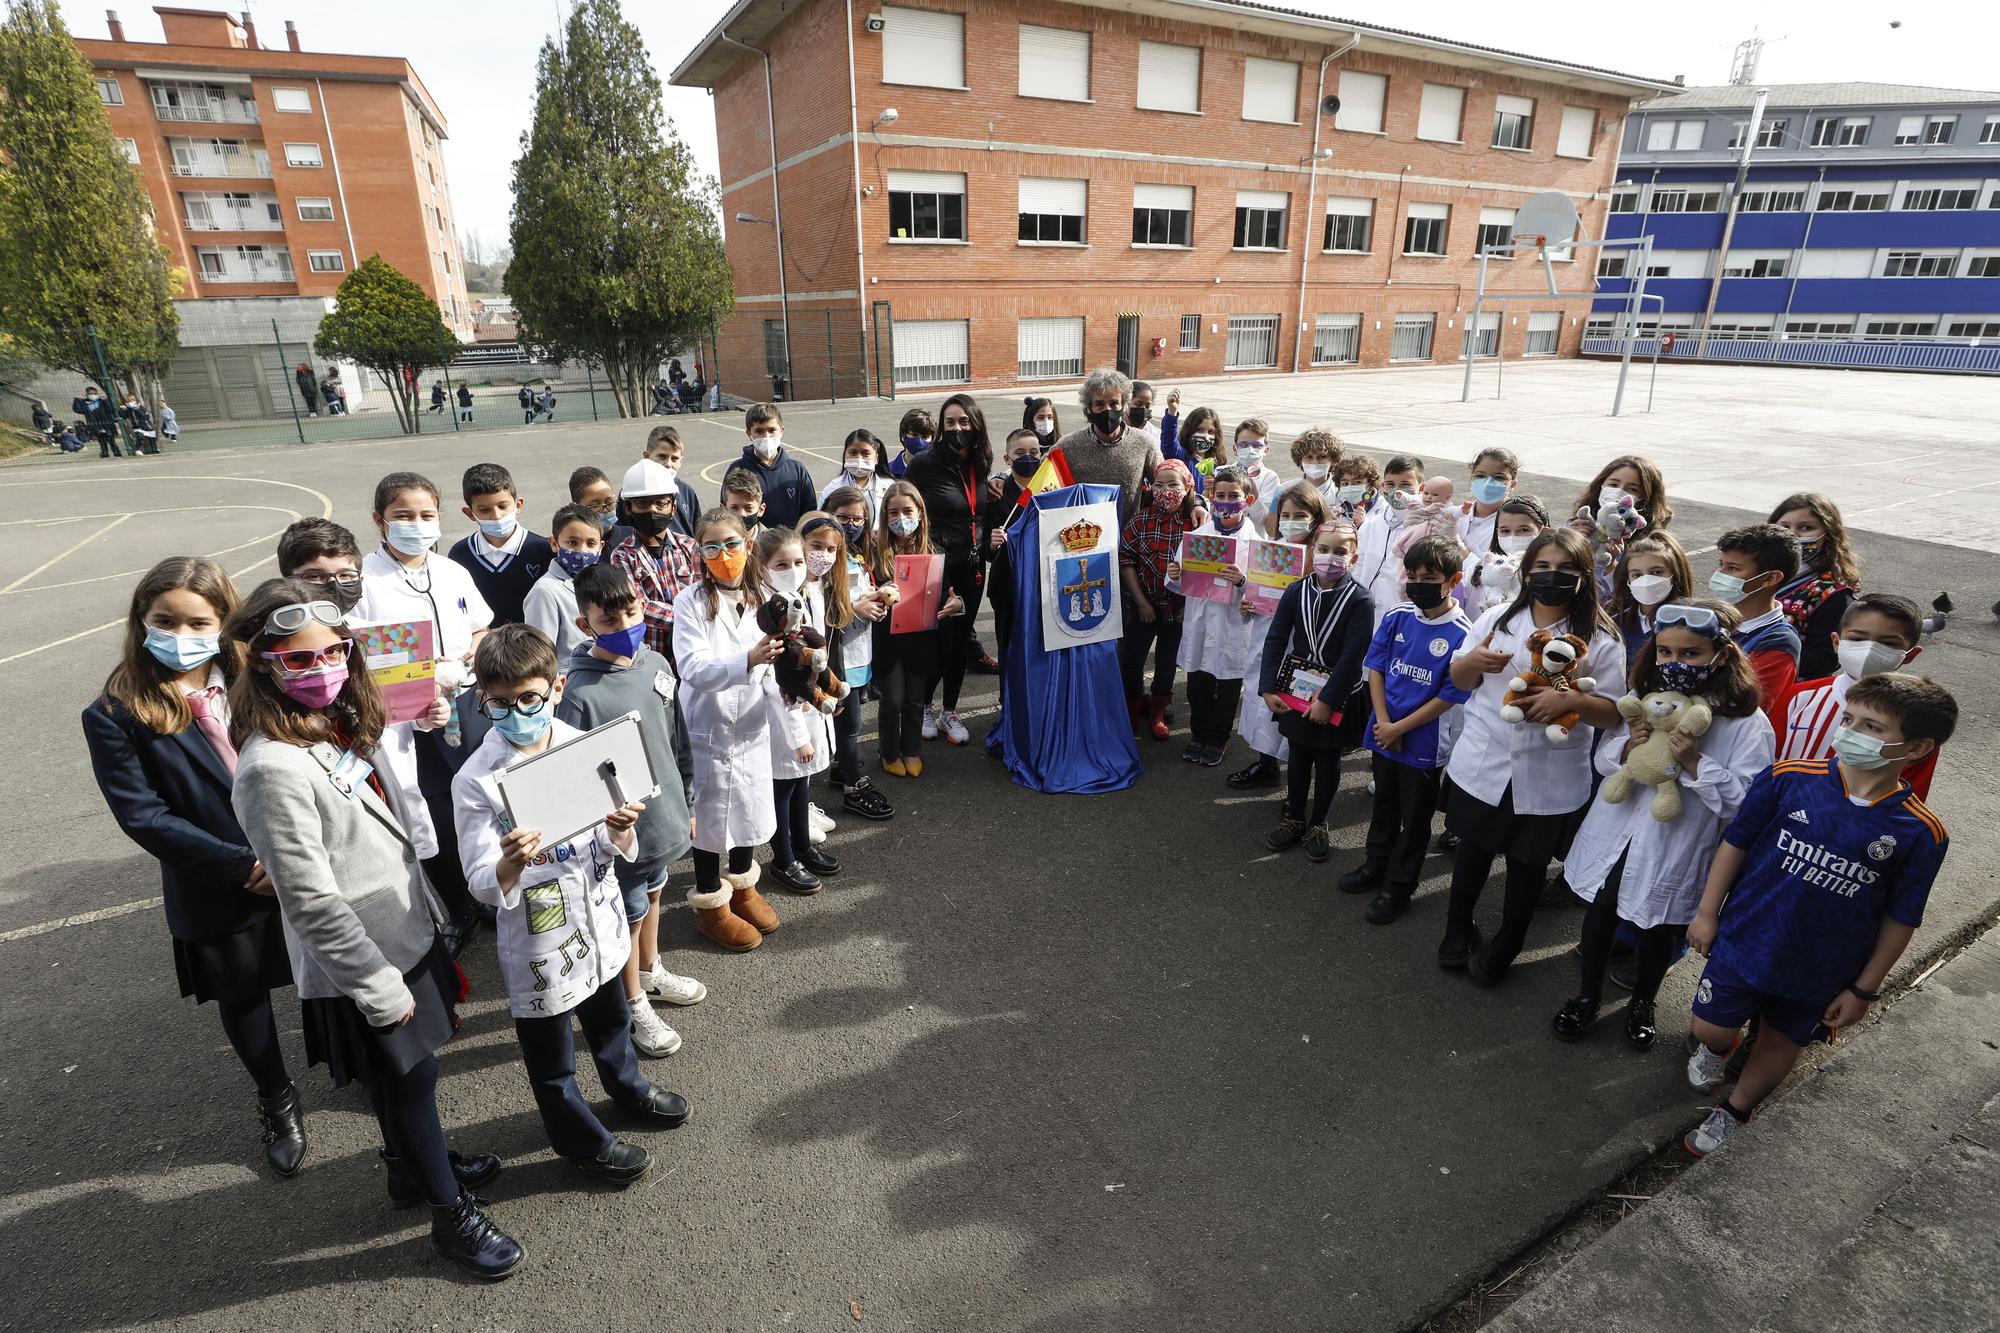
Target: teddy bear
1651,762
801,666
1552,661
1610,527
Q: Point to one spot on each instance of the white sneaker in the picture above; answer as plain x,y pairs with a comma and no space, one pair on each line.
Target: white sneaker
671,987
1707,1069
1712,1132
930,724
821,822
954,730
652,1037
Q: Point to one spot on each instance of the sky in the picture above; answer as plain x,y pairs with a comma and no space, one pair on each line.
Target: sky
477,57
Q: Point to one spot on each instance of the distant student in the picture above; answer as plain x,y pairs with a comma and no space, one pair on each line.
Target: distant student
865,467
551,604
1878,634
661,563
998,509
787,486
1814,894
170,423
545,402
589,487
503,557
1376,566
1300,514
1409,691
1628,475
1039,415
1816,598
1751,565
438,399
1215,636
563,942
743,496
1153,611
852,607
905,663
803,745
1251,448
1494,473
526,398
663,446
917,430
465,402
1201,443
1316,452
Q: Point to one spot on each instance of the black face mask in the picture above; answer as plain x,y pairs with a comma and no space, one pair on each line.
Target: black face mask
1027,465
955,439
1426,596
1107,420
1553,587
1138,414
648,525
344,596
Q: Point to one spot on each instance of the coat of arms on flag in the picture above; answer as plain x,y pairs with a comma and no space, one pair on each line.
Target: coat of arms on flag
1080,594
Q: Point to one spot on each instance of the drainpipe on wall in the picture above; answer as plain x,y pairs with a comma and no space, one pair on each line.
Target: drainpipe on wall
777,207
1805,246
1312,195
860,254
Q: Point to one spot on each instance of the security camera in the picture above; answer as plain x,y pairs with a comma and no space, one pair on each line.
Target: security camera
875,23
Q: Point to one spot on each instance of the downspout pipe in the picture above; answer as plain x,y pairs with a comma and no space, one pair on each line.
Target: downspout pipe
1312,196
777,205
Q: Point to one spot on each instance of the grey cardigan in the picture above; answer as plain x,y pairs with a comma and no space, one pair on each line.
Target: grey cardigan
357,911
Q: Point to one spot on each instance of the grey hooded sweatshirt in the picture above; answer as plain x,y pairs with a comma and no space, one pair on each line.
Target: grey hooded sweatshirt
598,691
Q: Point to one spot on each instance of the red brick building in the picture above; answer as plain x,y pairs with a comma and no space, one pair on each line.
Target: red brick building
274,172
1162,184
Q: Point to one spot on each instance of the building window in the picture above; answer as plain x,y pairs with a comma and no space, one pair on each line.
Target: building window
302,155
1909,131
1049,349
1625,199
1441,114
1939,199
774,349
1754,327
1940,129
1687,199
1052,211
1169,77
1253,343
1190,333
1361,99
1612,266
1898,328
1350,224
1772,199
1513,121
1920,264
1990,131
1411,340
931,351
1544,333
326,261
130,147
1674,136
1496,229
1751,264
1771,133
1579,127
291,99
1973,328
1055,63
1486,342
926,206
1841,131
315,210
1260,219
1853,199
1270,90
1983,266
1679,264
1163,215
108,91
1424,230
1819,328
925,47
1336,340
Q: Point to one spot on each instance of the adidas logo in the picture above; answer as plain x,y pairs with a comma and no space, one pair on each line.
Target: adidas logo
1798,817
1399,638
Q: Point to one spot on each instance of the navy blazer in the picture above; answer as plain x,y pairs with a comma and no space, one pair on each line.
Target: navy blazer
171,796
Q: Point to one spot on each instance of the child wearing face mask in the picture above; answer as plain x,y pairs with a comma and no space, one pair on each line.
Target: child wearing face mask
905,664
1215,636
1316,452
1321,627
1494,472
660,561
1039,417
1376,566
803,745
551,603
1643,875
1202,446
1153,611
864,467
1751,565
1357,480
1815,600
916,431
1495,577
1652,571
787,487
1878,634
1301,513
1251,450
852,607
996,510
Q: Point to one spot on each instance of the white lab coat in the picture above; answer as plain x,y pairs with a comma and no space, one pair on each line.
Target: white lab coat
395,761
1666,865
1377,568
877,486
1215,636
562,931
1255,722
439,590
1476,531
803,724
1490,753
730,711
1494,585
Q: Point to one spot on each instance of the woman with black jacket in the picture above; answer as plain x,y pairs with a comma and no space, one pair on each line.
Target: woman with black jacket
951,477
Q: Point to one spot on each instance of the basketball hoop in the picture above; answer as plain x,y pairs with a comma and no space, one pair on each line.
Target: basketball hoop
1539,241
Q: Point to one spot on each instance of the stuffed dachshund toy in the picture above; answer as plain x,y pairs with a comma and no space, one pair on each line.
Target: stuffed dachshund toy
1651,762
1552,662
1610,528
803,675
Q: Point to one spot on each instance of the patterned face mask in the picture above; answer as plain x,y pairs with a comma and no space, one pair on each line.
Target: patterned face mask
1685,677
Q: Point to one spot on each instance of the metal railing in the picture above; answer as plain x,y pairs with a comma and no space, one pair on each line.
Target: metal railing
261,273
257,167
1808,350
241,221
205,114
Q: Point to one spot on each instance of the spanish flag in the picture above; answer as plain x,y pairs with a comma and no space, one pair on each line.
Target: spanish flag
1053,472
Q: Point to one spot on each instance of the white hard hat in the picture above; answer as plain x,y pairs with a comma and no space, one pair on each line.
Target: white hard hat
646,477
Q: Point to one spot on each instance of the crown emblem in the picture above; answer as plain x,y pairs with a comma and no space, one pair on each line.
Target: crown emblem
1081,535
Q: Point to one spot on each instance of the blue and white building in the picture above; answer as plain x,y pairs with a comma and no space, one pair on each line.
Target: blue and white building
1867,233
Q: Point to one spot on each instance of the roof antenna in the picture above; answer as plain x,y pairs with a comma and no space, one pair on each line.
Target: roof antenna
1749,51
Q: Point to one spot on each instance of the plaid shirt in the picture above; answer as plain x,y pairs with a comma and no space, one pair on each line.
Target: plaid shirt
659,581
1152,537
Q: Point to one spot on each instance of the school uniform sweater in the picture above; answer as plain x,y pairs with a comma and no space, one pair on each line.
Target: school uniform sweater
504,574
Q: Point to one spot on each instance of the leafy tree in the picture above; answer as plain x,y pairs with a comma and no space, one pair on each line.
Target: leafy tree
383,322
77,246
617,249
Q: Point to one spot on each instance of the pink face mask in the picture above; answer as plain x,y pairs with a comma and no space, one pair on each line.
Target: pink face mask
1328,565
316,688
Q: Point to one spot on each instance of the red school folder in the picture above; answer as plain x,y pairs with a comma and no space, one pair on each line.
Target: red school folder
919,590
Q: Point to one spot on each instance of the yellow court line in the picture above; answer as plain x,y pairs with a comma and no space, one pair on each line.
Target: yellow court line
62,555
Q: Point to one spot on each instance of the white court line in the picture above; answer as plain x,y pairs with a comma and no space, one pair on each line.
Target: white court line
129,573
80,919
62,555
714,472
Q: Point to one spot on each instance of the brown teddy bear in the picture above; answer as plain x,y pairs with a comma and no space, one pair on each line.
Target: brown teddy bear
801,667
1553,662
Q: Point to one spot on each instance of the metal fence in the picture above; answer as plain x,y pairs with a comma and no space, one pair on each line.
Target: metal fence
767,353
1942,357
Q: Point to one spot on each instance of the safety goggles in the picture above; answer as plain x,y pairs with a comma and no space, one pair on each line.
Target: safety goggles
301,661
527,705
710,550
1699,619
293,617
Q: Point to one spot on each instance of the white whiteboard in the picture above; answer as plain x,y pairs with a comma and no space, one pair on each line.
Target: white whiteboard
567,788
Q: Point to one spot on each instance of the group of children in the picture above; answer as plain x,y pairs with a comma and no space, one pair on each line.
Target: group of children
1493,658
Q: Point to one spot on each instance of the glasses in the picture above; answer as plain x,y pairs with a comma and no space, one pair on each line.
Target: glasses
293,616
346,578
1700,619
710,550
300,661
527,705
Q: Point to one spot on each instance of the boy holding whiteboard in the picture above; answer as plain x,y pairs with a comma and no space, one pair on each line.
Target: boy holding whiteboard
563,937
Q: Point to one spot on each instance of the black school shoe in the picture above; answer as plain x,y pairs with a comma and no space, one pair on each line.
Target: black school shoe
1289,834
620,1164
471,1172
1318,846
1489,967
1572,1022
1452,957
661,1110
1360,880
813,859
1211,755
284,1130
864,799
1389,904
1640,1033
1262,772
464,1234
1447,841
1192,754
796,877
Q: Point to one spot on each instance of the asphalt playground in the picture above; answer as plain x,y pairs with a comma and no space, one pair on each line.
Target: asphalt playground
1030,1063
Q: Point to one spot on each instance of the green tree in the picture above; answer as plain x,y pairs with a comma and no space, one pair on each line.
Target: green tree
77,246
383,322
617,248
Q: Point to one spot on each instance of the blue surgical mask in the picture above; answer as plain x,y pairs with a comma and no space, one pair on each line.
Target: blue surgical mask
1489,490
412,538
1858,750
181,652
524,729
1726,586
916,444
574,562
623,642
499,529
855,533
1685,677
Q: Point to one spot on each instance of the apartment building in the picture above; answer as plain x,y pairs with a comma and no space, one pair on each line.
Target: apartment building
272,173
1016,190
1867,231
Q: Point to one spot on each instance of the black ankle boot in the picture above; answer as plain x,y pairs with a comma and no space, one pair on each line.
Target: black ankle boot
462,1233
1489,966
471,1172
284,1130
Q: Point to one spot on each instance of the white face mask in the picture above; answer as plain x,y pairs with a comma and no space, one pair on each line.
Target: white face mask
787,581
1316,471
1251,456
860,467
767,446
1516,543
1862,658
1650,589
903,527
1044,426
818,562
1294,529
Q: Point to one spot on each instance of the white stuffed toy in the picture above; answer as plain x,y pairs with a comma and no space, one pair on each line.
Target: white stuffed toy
1651,762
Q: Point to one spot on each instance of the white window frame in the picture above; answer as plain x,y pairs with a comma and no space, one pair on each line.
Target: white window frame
109,91
1989,130
1496,228
1681,196
1058,70
1166,199
1612,264
1757,198
130,147
905,331
315,264
1270,90
1985,260
1441,113
1169,68
1674,136
1336,339
1680,263
1940,129
1043,347
295,159
1426,213
1626,199
1922,263
1513,123
936,185
1061,198
1252,334
1841,262
1869,328
1854,131
1348,207
1820,327
1988,327
1363,97
923,48
1190,333
1855,190
1254,215
318,203
1484,340
1577,132
1758,264
1909,131
1937,196
1771,131
1544,335
279,95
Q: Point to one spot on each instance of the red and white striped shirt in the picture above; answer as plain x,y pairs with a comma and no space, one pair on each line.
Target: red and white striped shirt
1806,720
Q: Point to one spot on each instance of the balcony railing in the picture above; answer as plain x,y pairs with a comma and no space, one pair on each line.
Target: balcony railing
255,216
254,163
1928,354
211,114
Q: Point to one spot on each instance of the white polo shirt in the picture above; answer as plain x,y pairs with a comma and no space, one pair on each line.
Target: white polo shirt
439,590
